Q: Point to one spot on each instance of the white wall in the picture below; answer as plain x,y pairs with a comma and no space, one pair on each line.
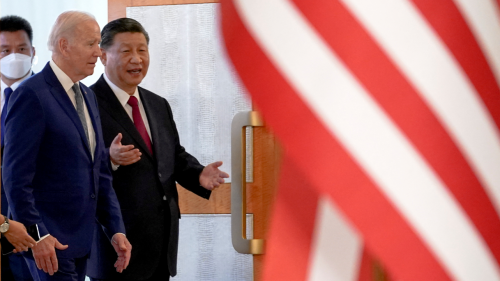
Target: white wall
42,14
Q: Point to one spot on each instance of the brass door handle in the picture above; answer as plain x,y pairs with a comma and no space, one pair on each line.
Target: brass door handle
238,183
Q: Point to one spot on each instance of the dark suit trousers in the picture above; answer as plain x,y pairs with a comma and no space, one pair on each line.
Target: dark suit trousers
14,268
69,269
161,273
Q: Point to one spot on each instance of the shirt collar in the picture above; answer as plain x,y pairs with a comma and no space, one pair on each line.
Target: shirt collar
121,94
16,84
63,78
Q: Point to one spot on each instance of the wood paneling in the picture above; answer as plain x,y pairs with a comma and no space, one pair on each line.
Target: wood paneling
118,9
219,203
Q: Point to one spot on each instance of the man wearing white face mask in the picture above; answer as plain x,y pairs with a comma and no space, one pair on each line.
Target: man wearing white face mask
16,56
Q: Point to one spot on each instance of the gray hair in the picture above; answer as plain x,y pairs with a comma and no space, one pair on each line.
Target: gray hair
65,25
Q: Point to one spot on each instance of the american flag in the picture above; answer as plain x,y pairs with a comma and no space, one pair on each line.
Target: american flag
389,113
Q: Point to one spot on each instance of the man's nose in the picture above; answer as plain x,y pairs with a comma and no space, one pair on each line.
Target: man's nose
136,58
98,51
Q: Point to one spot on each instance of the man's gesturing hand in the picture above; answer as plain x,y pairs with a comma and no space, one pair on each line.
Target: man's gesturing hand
123,250
123,154
45,254
211,177
18,237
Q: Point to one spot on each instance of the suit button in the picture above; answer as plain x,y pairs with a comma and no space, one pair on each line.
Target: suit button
159,174
92,196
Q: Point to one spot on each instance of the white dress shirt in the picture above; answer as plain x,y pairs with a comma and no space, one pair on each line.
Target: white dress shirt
123,98
13,87
67,83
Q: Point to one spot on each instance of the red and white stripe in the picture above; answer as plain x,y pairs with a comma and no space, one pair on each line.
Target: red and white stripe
391,108
337,249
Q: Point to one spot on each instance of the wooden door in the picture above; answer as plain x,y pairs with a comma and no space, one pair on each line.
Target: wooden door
266,159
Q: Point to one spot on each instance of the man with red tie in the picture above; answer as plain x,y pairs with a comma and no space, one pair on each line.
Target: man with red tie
150,162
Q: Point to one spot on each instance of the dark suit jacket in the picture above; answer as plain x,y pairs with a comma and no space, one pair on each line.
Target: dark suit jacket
49,176
13,265
5,204
140,187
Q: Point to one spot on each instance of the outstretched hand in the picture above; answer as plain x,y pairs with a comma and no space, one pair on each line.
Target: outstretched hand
123,154
123,249
211,177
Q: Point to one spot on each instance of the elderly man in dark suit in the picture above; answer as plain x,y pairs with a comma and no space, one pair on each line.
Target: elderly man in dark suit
56,173
146,189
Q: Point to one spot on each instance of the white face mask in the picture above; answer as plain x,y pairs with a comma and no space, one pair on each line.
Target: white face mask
15,65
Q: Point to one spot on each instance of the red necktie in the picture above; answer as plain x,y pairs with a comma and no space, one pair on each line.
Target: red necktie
139,123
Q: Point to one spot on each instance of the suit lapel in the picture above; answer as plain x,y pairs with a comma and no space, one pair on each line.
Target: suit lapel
63,99
114,108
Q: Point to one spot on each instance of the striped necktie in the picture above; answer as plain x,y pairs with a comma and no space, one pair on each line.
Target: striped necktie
80,110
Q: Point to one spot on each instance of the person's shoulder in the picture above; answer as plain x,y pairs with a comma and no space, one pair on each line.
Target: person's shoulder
32,84
101,89
34,79
92,87
101,82
147,94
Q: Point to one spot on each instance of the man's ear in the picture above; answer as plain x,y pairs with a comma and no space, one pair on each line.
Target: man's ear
103,57
33,54
63,46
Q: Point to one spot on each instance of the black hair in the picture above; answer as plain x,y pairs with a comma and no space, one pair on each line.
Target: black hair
120,26
15,23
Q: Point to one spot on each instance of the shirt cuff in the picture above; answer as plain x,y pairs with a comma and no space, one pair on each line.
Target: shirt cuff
113,238
113,166
43,238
